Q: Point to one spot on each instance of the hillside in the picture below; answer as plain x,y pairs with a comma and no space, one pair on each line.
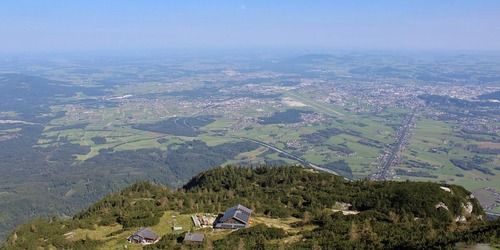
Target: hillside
293,208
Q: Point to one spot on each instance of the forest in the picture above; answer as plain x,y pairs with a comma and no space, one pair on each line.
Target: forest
285,117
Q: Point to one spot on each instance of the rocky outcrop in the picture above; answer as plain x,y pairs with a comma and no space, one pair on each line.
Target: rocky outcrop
461,219
441,205
467,209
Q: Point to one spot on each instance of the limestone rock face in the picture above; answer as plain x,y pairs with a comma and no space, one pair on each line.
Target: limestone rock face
343,205
461,219
441,205
446,189
467,208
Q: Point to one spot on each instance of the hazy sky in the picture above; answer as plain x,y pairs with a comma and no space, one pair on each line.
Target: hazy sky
54,25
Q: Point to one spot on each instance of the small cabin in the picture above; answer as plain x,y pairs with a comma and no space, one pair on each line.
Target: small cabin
144,236
193,238
234,218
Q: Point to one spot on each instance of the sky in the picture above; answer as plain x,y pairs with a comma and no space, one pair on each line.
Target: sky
74,25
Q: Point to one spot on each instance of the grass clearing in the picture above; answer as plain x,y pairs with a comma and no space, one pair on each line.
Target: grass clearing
283,223
98,234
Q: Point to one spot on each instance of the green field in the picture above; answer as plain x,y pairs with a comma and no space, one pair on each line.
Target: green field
431,134
115,125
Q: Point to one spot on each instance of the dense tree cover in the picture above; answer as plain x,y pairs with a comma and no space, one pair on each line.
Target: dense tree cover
99,140
418,173
196,156
470,165
393,215
476,149
455,105
287,116
341,167
366,232
259,237
253,238
372,143
321,136
73,185
29,95
42,233
56,185
341,149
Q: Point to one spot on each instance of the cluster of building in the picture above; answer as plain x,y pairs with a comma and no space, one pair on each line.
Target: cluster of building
233,218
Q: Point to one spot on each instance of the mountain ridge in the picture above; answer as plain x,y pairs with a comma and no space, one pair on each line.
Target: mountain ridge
293,207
